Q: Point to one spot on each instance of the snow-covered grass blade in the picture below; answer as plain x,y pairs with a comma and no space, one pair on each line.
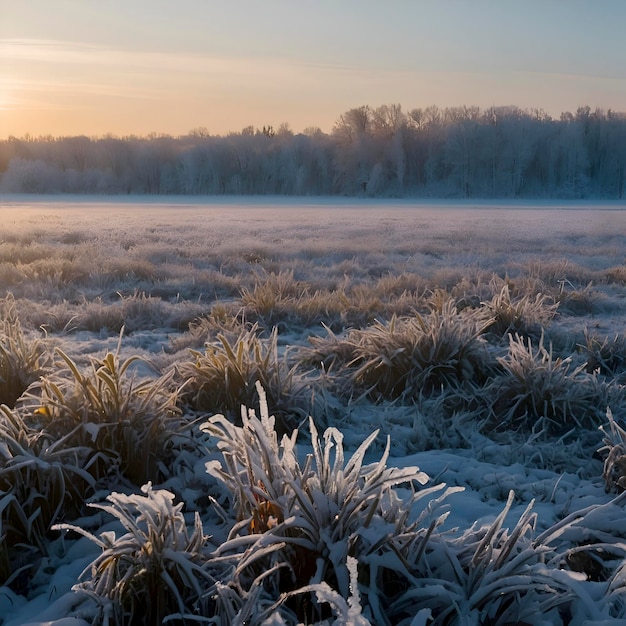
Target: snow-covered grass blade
155,569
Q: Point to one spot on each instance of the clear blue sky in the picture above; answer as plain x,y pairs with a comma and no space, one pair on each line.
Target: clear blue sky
139,66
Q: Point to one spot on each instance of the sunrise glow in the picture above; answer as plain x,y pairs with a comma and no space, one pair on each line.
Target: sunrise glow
86,68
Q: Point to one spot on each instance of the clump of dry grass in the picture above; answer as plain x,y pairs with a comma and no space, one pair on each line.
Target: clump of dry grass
577,300
221,319
614,449
22,362
222,378
604,355
131,312
538,392
410,356
554,273
616,275
42,481
22,252
525,315
280,300
301,522
155,569
128,424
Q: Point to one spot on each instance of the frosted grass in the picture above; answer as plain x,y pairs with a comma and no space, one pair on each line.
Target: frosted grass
175,253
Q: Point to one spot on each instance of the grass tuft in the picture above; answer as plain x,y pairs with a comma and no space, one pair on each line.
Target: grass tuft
153,570
538,392
525,315
308,518
42,481
605,356
222,378
127,423
411,356
22,361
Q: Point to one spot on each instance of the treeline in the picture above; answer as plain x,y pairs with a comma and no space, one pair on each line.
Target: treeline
468,152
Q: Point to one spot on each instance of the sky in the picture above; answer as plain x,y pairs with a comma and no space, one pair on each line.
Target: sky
92,67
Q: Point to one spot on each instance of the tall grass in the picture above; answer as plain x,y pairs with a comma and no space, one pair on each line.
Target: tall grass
154,570
303,521
525,315
489,574
540,392
42,480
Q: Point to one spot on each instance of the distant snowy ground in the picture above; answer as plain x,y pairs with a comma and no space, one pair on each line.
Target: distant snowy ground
487,235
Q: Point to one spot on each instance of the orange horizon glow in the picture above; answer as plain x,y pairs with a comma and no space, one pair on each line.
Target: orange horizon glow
125,72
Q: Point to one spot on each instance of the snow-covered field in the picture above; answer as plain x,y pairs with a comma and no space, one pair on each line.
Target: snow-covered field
68,261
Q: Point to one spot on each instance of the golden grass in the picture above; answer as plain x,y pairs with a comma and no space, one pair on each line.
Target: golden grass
128,424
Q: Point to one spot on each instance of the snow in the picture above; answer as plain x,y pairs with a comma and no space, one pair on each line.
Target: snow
489,234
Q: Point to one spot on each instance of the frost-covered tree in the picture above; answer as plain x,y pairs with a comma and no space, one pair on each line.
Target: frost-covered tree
379,151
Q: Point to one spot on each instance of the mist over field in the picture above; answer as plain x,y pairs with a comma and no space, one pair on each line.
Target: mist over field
459,152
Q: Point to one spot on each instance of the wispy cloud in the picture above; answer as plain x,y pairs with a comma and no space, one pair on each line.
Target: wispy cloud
105,84
52,52
66,68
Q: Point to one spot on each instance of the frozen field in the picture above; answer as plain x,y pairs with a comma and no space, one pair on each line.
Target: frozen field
485,340
557,229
